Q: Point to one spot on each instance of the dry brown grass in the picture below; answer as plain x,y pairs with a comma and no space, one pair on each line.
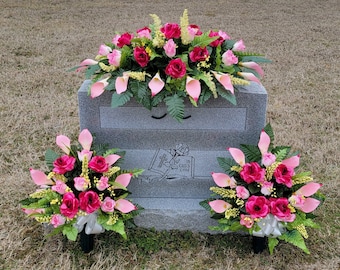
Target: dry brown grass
41,39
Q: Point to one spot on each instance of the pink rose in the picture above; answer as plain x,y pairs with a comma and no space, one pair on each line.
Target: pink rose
198,54
108,205
144,32
170,48
171,30
89,201
246,221
57,220
104,50
80,183
103,183
283,175
229,58
59,187
252,172
267,188
218,41
69,205
257,206
194,30
98,164
141,56
176,68
114,58
242,192
239,46
124,39
279,208
268,159
64,164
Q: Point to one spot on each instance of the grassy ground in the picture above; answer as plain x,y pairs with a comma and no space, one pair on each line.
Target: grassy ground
41,39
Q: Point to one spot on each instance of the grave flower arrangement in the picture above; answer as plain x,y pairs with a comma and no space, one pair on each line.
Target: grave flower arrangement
85,189
169,63
262,194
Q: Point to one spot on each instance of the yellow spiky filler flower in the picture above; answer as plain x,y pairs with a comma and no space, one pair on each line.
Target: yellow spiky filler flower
184,28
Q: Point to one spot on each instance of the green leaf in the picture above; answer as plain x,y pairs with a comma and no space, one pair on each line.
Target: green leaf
50,157
91,70
175,106
120,99
281,152
254,58
226,94
205,205
226,164
118,227
252,152
272,243
70,232
296,239
203,40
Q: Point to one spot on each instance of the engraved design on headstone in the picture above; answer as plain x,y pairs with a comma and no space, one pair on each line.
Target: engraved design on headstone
173,163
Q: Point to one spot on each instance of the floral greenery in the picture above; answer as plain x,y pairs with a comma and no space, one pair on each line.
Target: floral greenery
260,193
167,63
84,182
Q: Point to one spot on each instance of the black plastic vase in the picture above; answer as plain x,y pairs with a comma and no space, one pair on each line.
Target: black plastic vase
259,244
86,241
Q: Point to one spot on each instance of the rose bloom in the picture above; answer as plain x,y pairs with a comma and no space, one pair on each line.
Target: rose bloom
114,58
98,164
171,30
59,187
170,48
144,32
102,183
141,56
218,41
257,206
279,208
268,159
242,192
108,205
198,54
69,205
283,175
57,220
229,58
89,201
252,172
124,39
63,164
176,68
246,221
80,183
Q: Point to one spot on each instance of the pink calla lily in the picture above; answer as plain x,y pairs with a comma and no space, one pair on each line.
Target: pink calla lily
156,84
64,143
98,87
104,50
84,64
193,88
249,76
238,156
225,80
292,162
219,206
299,200
223,180
85,139
239,46
122,83
124,179
124,206
40,178
111,159
253,66
264,143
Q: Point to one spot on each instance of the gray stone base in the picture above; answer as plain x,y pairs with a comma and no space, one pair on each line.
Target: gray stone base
178,158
